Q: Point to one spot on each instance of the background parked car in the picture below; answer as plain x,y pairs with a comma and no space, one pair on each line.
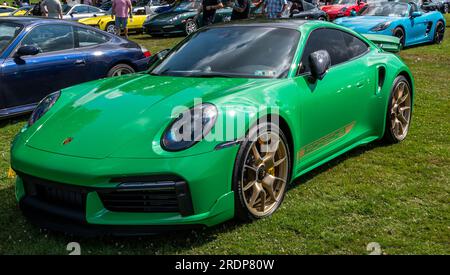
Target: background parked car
301,9
341,8
6,10
39,56
404,20
77,12
106,23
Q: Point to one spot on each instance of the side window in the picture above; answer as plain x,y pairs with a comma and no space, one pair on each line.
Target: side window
50,38
330,40
356,47
89,38
94,10
81,9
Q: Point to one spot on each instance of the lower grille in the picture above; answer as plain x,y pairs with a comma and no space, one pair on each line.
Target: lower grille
58,194
149,197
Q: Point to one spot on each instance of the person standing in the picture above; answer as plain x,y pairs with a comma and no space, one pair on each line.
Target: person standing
121,9
241,10
274,8
209,8
52,8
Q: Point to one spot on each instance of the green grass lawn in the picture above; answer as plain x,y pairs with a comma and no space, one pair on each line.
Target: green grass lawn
398,196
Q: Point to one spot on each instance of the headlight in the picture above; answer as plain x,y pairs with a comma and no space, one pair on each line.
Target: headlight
189,127
173,19
343,9
43,107
381,26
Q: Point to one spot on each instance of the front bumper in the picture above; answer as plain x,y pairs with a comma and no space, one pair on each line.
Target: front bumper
207,176
164,29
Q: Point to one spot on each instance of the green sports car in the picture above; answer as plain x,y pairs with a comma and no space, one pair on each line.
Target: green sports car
217,128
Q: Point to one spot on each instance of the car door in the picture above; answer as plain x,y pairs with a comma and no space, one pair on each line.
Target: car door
90,46
28,79
418,30
333,109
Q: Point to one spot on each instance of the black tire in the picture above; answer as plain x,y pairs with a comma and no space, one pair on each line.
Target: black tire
439,32
400,33
242,212
109,26
120,69
322,18
389,135
190,26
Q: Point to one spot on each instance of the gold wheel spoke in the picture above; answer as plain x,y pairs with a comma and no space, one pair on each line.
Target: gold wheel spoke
262,200
400,100
402,119
251,168
249,185
254,196
280,161
403,109
256,152
268,182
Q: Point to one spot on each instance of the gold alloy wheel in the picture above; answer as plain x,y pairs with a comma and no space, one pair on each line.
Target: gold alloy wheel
265,174
400,110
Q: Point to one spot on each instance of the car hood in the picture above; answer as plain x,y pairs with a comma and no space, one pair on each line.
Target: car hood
165,16
123,116
362,22
333,8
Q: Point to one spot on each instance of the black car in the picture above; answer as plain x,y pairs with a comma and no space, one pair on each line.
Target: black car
301,9
431,5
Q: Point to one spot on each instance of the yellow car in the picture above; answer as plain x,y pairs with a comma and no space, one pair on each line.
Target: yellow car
6,10
24,11
106,23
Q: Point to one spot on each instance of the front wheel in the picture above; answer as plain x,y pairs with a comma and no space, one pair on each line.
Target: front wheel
261,173
399,111
191,26
398,32
439,33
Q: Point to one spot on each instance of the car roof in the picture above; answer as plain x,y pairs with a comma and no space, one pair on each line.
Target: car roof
274,23
29,20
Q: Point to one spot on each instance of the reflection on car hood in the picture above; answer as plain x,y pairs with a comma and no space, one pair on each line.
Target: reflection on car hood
333,8
106,116
362,22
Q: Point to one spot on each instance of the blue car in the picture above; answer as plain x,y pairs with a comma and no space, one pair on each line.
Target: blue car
39,56
404,20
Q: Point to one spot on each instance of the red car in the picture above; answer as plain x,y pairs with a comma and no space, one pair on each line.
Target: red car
341,8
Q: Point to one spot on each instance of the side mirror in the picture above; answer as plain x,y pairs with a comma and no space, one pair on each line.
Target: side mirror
158,56
319,63
27,50
415,14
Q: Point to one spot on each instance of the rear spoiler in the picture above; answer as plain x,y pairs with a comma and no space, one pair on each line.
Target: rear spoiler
385,42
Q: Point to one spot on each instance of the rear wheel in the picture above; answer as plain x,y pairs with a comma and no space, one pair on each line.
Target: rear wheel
261,172
399,111
398,32
439,32
120,69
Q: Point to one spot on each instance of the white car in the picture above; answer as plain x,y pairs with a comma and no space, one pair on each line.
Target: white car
80,11
149,6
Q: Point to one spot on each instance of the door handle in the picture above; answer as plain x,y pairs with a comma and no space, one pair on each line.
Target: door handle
359,84
80,62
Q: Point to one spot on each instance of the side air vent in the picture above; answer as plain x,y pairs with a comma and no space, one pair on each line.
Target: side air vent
381,78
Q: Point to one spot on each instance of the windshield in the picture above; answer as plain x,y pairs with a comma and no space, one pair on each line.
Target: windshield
344,2
387,9
236,51
187,5
8,31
